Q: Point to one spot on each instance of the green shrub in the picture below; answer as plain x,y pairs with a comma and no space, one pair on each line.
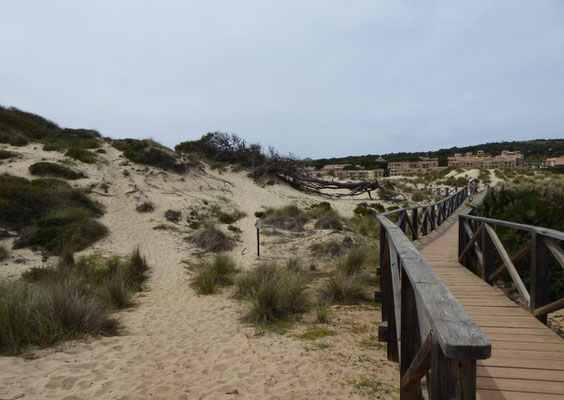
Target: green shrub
3,253
56,170
13,139
226,218
354,262
290,217
81,155
275,293
18,127
144,207
364,210
418,196
345,289
4,154
72,227
323,312
46,314
172,215
233,228
211,239
219,272
151,153
328,221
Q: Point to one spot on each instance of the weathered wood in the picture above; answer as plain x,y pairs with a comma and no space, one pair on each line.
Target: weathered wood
552,307
420,364
457,334
555,250
468,247
551,233
382,333
487,255
539,275
509,265
396,297
523,251
415,224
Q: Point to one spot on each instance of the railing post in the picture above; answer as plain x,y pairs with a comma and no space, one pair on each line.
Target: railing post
403,222
539,275
451,378
410,339
461,235
384,272
415,223
425,220
487,255
433,218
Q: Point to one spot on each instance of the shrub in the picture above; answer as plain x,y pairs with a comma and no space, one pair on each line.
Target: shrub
275,293
226,218
354,261
331,248
204,281
233,228
259,214
144,207
81,155
151,153
73,227
219,272
363,210
13,139
323,312
345,289
3,253
116,292
328,221
57,170
211,239
418,196
172,215
46,314
4,154
290,217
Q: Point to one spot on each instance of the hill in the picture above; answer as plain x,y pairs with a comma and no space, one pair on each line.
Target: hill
533,151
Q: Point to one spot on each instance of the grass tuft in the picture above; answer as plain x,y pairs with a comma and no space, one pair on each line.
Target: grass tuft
212,239
145,207
344,289
275,293
219,272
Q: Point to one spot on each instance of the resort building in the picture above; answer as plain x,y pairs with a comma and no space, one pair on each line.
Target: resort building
360,174
426,164
557,162
507,159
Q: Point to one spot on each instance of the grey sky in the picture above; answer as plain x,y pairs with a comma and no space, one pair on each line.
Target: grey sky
315,78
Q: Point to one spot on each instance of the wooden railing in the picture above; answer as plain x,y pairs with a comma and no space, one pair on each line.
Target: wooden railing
478,241
428,332
442,191
418,221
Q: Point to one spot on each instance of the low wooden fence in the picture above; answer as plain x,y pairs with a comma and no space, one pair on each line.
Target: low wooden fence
478,242
428,332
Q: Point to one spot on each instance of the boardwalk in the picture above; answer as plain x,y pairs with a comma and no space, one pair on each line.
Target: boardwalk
527,359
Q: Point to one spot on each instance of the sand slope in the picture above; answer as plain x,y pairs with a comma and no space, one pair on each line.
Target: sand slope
176,344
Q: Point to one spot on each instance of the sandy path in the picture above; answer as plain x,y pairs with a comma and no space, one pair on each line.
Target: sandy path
176,345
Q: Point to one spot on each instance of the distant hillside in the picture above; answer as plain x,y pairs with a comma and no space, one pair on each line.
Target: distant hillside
533,151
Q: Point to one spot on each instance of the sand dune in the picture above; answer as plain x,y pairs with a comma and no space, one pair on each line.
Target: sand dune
176,344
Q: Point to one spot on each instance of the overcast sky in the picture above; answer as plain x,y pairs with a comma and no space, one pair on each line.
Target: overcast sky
314,78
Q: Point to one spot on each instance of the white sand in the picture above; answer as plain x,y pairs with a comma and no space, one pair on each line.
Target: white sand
176,344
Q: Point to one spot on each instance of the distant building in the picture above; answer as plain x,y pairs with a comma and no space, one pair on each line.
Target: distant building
426,164
507,159
360,174
557,162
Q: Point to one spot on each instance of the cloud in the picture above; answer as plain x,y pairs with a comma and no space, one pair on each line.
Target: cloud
313,78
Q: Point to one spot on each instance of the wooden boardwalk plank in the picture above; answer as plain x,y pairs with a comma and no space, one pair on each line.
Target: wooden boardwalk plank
527,357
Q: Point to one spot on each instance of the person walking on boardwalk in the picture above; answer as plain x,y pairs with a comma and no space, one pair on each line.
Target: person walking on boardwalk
471,188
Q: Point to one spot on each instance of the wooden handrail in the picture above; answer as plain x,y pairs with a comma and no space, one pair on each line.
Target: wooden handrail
543,243
428,330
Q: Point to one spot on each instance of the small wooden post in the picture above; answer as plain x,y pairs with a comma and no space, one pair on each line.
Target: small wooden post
539,275
258,224
451,378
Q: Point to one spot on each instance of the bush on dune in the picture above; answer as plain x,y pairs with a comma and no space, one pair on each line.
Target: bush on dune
275,293
52,213
55,170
